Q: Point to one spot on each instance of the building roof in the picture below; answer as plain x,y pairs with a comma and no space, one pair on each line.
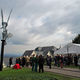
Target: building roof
27,52
46,49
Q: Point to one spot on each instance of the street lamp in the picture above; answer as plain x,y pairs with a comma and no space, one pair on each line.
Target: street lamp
5,35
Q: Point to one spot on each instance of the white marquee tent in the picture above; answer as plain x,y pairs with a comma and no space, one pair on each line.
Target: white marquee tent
70,48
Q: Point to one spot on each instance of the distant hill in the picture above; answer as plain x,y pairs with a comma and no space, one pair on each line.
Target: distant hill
12,55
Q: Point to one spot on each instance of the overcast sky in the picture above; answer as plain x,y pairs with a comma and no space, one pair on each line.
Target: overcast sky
36,23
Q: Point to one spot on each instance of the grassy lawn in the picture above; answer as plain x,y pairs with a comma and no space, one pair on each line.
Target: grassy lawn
27,74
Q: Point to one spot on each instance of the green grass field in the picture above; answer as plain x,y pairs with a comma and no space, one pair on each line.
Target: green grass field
27,74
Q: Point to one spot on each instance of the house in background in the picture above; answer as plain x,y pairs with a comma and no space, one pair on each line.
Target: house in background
33,53
41,50
44,50
49,54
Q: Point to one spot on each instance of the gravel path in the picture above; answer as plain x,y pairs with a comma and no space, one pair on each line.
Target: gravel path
64,71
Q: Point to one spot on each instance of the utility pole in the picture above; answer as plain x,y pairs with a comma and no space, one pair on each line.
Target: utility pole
5,35
2,54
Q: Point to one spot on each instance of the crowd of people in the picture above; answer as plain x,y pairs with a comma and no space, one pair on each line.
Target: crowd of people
34,61
69,59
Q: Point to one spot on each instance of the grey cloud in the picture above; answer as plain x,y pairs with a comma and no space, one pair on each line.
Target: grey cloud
26,12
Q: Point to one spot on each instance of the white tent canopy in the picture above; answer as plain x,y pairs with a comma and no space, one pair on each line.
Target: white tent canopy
70,48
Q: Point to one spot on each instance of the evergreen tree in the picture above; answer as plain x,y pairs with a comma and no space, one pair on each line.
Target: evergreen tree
76,39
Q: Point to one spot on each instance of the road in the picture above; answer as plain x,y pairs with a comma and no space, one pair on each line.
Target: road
64,71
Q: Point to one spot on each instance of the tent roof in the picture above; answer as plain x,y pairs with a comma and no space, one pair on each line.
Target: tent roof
70,48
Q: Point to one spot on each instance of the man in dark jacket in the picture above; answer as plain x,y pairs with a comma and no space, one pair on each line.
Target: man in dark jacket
36,63
41,62
50,60
76,60
23,61
33,62
10,61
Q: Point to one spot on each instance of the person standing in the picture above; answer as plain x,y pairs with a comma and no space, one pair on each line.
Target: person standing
41,62
17,61
33,62
61,61
10,61
58,60
79,61
47,60
36,63
50,61
75,60
23,61
27,61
